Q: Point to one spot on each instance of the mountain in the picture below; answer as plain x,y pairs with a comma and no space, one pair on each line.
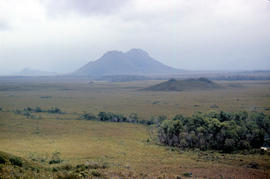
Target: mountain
32,72
133,62
185,85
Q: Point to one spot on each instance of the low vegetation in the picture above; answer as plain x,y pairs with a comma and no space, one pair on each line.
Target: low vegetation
222,131
52,110
12,166
91,131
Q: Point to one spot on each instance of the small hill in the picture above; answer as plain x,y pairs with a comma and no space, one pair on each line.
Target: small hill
185,85
15,161
133,62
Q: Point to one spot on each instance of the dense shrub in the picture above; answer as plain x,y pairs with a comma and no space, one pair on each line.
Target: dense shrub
38,109
218,131
133,118
55,110
112,117
96,173
27,110
16,161
2,160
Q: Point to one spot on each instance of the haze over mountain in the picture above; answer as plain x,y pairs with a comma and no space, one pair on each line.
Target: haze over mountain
133,62
34,72
196,35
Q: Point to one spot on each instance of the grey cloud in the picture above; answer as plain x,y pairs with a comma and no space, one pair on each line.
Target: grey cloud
4,26
187,34
83,7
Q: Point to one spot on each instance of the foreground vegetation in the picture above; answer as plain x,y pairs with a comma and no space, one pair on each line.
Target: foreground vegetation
125,145
217,131
214,130
12,166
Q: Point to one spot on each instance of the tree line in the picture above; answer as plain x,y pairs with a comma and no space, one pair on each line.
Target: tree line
214,130
112,117
218,131
53,110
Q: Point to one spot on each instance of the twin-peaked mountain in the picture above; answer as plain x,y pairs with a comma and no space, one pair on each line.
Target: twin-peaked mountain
133,62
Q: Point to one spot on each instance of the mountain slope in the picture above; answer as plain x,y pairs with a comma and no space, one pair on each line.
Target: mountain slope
133,62
185,85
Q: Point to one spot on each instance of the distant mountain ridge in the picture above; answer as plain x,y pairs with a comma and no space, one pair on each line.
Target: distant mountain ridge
33,72
132,62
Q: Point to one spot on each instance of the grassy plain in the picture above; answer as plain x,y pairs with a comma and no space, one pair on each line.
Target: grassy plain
124,147
126,97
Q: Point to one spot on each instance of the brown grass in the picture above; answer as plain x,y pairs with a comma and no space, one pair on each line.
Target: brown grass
123,146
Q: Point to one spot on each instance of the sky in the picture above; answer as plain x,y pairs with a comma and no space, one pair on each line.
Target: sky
63,35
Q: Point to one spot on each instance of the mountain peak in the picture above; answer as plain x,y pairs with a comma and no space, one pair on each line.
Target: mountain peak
113,53
133,62
137,52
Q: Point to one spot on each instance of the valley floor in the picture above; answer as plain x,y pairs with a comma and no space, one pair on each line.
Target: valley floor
126,149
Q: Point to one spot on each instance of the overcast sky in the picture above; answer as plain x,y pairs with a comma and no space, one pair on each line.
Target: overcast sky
62,35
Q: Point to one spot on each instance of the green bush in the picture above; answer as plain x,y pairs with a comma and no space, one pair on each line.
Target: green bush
55,161
67,167
96,173
16,161
2,160
55,110
38,109
187,174
112,117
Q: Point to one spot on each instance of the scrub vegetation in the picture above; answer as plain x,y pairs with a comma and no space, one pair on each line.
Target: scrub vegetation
117,130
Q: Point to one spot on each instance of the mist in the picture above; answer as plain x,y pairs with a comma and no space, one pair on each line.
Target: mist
61,36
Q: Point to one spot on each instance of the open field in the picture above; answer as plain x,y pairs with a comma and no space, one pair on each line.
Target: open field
124,147
127,97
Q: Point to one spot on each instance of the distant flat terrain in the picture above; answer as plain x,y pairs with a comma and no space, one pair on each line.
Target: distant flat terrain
77,95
